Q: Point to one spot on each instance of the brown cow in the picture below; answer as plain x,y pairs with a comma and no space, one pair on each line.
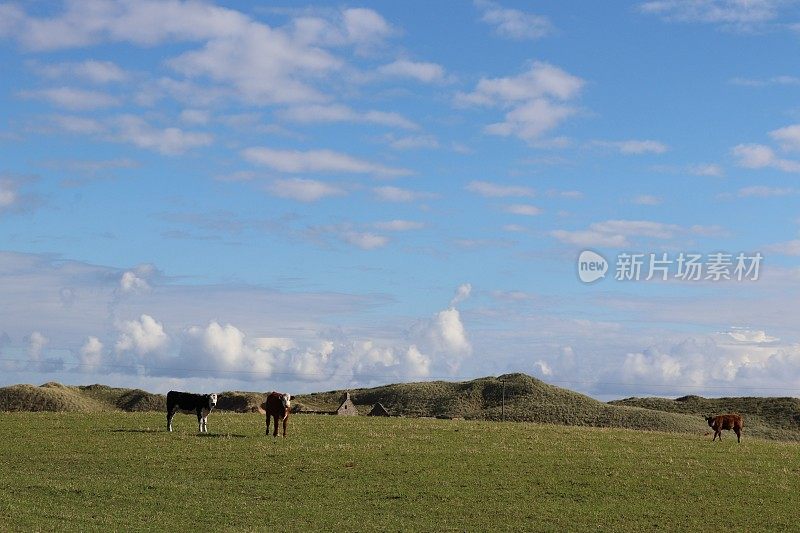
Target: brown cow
277,406
718,423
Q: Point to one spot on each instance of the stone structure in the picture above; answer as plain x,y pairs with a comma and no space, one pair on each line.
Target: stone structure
347,408
378,410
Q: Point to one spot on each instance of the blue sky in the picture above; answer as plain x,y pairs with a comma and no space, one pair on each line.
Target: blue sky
305,196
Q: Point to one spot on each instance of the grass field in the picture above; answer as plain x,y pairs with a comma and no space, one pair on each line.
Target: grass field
77,471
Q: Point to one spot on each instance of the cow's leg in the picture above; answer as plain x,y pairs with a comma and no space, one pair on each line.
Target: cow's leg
738,434
275,433
170,415
199,421
267,433
284,426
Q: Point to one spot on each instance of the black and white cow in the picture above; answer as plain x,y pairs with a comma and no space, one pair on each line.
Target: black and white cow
186,402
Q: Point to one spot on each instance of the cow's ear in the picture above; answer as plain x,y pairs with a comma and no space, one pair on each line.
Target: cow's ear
291,397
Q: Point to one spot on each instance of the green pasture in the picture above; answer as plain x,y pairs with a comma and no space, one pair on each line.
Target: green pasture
123,471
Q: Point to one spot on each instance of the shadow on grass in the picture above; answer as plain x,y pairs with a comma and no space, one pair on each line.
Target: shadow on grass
203,435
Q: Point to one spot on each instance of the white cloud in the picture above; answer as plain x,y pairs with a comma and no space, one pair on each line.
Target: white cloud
195,117
512,23
761,156
420,71
647,199
445,339
399,225
295,161
523,209
416,364
761,191
91,354
8,194
365,240
737,15
590,238
495,190
706,169
137,279
634,147
541,80
303,190
100,72
785,248
76,124
130,282
531,120
617,233
167,141
315,113
36,344
73,99
462,293
390,193
788,137
412,142
15,196
366,26
538,100
144,336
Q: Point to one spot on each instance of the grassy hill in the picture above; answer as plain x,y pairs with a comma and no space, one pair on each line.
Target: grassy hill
527,399
766,417
101,398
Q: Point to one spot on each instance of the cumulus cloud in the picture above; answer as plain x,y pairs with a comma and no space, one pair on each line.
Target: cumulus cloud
788,137
168,141
706,169
303,190
91,354
295,161
791,248
538,100
136,280
96,71
634,147
419,71
523,209
646,199
761,156
462,293
36,344
735,15
496,190
412,142
399,225
513,23
72,98
762,191
389,193
142,337
244,58
320,113
365,240
617,233
14,197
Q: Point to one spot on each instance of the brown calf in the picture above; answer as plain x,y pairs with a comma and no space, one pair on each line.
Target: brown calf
277,406
718,423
